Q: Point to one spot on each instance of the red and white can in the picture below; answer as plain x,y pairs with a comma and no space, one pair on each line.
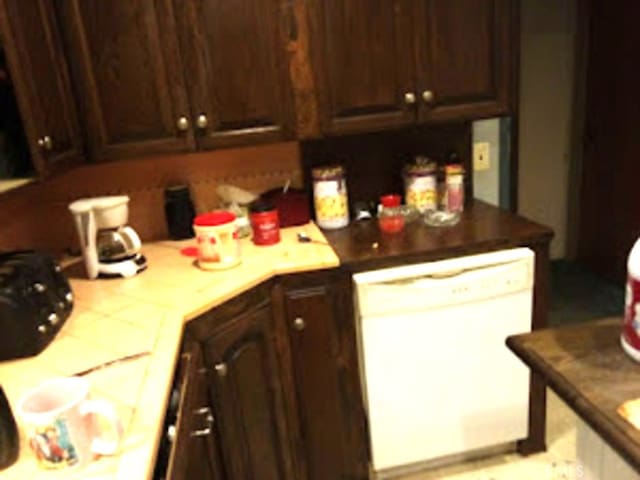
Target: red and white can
265,223
630,338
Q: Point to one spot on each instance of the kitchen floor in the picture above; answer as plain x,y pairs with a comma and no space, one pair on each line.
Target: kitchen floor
577,295
557,463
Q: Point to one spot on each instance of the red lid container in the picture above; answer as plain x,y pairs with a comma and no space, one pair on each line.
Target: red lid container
215,218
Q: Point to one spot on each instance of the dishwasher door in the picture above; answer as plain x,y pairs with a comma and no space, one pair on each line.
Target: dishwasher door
438,378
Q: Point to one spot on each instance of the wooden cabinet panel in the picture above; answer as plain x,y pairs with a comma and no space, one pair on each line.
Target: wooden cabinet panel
465,53
194,454
236,71
384,63
364,58
325,371
125,62
247,396
40,74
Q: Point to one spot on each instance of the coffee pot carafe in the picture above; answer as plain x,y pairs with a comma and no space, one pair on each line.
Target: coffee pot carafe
110,247
116,244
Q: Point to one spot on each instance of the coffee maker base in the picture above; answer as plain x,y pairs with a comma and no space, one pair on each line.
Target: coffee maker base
123,268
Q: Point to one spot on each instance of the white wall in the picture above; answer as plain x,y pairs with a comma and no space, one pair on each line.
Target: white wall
546,99
486,183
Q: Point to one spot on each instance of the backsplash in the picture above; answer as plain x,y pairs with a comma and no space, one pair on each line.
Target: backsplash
37,215
374,161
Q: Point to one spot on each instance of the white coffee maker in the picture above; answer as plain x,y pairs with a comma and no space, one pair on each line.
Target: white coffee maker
110,247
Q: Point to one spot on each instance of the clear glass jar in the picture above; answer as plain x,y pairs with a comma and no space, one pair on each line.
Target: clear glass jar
420,184
330,197
454,188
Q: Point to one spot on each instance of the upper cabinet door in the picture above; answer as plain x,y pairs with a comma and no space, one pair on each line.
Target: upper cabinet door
466,53
126,66
363,54
39,72
236,72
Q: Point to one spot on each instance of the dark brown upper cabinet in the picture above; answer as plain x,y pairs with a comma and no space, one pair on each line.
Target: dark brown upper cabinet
386,63
39,72
364,63
127,70
465,56
235,69
160,76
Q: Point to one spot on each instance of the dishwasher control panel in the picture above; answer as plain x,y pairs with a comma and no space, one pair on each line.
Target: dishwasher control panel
437,284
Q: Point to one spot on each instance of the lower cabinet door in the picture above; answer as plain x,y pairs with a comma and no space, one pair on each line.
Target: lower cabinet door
333,429
194,453
246,391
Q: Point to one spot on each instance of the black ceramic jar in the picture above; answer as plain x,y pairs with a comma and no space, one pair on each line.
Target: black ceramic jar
9,445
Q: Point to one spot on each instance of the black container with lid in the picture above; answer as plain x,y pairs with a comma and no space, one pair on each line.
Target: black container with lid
9,444
179,212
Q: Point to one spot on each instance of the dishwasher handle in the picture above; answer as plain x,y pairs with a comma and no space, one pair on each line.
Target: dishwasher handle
448,275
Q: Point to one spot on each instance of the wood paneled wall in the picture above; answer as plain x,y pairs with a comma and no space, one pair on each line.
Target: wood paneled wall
37,215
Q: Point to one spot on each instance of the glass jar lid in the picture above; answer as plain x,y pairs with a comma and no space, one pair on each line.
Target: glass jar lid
421,166
331,172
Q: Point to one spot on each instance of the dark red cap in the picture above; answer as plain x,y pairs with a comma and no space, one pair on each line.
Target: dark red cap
390,200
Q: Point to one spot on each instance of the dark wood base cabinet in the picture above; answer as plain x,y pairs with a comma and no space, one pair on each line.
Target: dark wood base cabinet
332,439
193,451
281,373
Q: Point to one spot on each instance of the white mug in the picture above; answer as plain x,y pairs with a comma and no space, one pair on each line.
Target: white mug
58,420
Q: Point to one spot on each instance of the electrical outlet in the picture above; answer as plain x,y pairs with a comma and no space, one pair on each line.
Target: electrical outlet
481,156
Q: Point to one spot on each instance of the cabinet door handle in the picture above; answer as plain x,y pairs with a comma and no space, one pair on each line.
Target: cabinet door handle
182,123
299,323
171,433
45,143
221,369
206,430
202,121
428,96
409,98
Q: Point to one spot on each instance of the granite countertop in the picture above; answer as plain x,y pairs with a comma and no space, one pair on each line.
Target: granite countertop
482,227
586,366
114,318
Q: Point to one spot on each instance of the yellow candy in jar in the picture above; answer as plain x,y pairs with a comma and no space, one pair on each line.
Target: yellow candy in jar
420,184
330,197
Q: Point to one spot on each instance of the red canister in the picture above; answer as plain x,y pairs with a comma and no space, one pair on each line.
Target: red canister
454,189
630,337
264,222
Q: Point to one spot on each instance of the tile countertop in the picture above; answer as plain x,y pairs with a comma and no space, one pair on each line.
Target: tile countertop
114,318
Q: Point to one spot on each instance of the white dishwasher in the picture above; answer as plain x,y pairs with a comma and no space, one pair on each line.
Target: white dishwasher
438,379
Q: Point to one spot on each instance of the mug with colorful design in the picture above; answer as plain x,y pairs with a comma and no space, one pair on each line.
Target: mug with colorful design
60,425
